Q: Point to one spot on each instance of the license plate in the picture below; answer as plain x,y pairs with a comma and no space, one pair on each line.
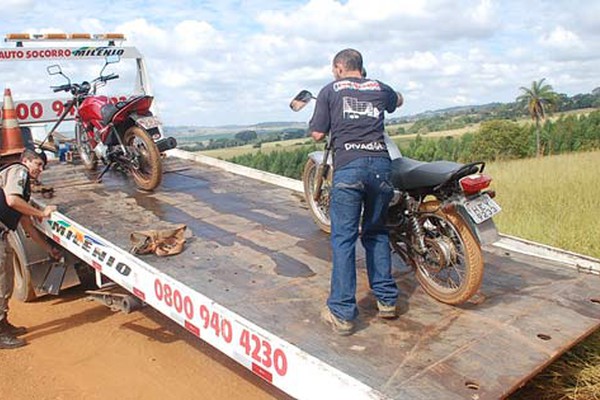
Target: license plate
482,208
148,122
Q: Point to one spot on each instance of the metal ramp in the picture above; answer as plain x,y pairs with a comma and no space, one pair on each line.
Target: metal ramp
254,276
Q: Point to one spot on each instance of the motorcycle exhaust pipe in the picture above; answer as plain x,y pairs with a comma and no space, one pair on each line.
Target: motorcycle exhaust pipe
165,144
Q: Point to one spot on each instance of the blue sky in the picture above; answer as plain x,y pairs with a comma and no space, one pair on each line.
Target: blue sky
221,62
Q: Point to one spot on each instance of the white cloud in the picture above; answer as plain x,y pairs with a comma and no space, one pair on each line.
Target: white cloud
93,25
460,100
225,61
482,14
418,61
194,36
561,38
147,36
16,5
174,78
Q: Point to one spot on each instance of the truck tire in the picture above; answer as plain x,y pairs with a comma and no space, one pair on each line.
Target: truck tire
23,289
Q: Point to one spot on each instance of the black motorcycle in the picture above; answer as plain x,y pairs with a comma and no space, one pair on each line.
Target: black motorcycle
439,217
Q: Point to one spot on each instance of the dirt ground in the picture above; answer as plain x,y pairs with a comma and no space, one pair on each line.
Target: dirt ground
80,349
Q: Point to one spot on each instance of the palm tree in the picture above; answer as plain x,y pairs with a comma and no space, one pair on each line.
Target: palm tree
538,99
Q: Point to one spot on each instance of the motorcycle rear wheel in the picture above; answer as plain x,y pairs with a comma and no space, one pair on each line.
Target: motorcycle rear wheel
86,154
454,270
319,211
147,174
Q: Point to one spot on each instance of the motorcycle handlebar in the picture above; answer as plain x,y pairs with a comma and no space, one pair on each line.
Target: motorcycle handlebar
109,77
62,88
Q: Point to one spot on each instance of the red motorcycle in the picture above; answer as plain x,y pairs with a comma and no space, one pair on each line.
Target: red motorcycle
120,133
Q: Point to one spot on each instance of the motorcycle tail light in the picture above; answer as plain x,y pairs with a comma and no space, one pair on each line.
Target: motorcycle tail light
475,183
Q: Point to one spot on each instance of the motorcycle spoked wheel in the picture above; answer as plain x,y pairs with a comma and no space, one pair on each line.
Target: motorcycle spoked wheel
452,270
147,170
86,154
318,210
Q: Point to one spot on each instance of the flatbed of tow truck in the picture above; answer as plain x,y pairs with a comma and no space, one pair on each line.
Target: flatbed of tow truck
254,276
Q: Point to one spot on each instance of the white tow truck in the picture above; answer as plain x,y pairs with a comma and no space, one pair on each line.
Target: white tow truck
254,275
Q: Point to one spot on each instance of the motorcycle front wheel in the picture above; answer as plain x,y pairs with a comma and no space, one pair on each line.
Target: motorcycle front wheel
451,271
319,210
86,154
146,167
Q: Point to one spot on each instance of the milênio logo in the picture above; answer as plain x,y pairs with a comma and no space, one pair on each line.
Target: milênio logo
89,244
97,52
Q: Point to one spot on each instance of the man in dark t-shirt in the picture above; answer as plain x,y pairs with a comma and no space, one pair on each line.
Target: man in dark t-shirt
351,109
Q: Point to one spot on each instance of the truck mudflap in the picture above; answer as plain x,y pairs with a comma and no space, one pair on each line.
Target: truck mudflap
35,272
253,278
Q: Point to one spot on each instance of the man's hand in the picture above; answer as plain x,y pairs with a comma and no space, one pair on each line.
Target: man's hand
400,100
49,210
317,136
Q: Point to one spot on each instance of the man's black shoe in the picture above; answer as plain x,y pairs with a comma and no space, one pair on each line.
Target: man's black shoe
9,341
6,326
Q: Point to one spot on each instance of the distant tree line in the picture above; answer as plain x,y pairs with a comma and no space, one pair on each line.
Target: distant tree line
502,140
247,137
494,140
288,163
512,111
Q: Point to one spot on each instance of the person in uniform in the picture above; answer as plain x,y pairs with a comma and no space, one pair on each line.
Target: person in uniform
14,210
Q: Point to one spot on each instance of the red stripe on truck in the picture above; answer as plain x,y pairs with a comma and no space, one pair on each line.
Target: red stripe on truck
266,375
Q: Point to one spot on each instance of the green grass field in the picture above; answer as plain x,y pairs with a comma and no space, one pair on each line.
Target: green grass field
552,200
556,201
230,152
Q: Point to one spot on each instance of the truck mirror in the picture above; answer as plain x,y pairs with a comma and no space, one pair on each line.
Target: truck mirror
112,59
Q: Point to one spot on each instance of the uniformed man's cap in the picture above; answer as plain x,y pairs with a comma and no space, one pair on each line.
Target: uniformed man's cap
40,153
37,152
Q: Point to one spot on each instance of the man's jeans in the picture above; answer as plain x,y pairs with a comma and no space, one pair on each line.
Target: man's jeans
361,184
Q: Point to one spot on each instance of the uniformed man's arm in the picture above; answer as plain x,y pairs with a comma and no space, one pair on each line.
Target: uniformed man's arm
17,203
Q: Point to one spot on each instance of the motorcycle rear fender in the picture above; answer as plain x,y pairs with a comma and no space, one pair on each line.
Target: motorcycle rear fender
485,232
317,157
155,133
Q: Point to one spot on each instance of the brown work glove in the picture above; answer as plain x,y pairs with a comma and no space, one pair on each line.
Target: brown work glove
166,242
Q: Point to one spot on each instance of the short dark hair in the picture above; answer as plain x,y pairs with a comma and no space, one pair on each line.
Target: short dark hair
351,60
32,154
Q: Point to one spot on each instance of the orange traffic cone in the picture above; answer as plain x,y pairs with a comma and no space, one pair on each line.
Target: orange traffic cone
12,140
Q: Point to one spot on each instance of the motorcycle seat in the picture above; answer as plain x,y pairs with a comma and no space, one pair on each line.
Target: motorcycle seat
109,110
409,174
